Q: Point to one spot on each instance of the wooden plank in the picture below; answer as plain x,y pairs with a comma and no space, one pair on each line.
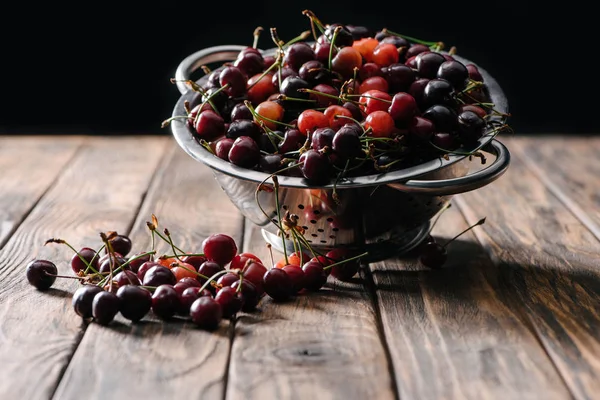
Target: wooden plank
156,359
551,261
28,167
100,188
569,166
323,345
453,333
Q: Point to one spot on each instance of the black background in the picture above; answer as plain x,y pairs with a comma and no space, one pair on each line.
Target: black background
101,68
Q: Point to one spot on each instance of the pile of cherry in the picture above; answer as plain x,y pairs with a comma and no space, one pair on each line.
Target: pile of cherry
352,102
205,287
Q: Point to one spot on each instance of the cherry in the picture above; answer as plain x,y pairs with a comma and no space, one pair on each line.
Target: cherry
345,61
314,276
321,138
240,261
343,38
254,272
111,261
188,296
346,270
185,283
277,284
321,94
415,49
135,302
336,115
369,70
454,72
40,273
83,298
359,32
471,126
136,260
243,127
227,279
472,107
89,255
290,87
375,100
316,167
260,87
184,270
145,267
293,139
385,54
474,72
126,277
322,50
428,64
311,119
420,129
120,244
244,152
165,301
158,275
346,141
270,163
236,80
208,269
195,260
433,255
439,91
399,77
105,307
443,117
229,301
267,112
282,74
223,147
443,140
403,107
297,54
209,125
416,90
314,72
357,112
381,124
240,111
206,313
396,41
250,62
374,82
248,294
296,275
220,248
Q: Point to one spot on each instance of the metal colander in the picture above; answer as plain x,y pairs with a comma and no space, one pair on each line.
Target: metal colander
385,214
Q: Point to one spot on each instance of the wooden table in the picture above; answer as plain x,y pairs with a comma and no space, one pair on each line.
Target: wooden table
514,315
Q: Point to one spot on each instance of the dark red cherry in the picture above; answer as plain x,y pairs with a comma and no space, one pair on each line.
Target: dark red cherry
82,300
126,277
206,313
105,307
454,72
314,276
428,64
297,54
135,302
471,126
316,167
277,284
136,260
433,255
439,91
209,125
39,273
321,138
244,152
120,244
158,275
346,141
399,77
443,117
223,147
165,301
220,248
235,78
230,302
89,255
243,127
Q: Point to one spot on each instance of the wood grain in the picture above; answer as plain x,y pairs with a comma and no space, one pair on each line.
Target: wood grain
155,359
39,331
451,332
28,167
323,345
549,261
569,166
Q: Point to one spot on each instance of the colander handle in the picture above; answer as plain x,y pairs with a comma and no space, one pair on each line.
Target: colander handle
191,63
463,184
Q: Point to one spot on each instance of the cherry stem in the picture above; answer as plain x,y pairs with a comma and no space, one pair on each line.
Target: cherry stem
168,235
256,35
277,206
480,222
302,36
306,90
209,101
61,241
331,45
213,279
111,259
370,97
64,276
447,206
168,241
346,260
411,39
284,97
